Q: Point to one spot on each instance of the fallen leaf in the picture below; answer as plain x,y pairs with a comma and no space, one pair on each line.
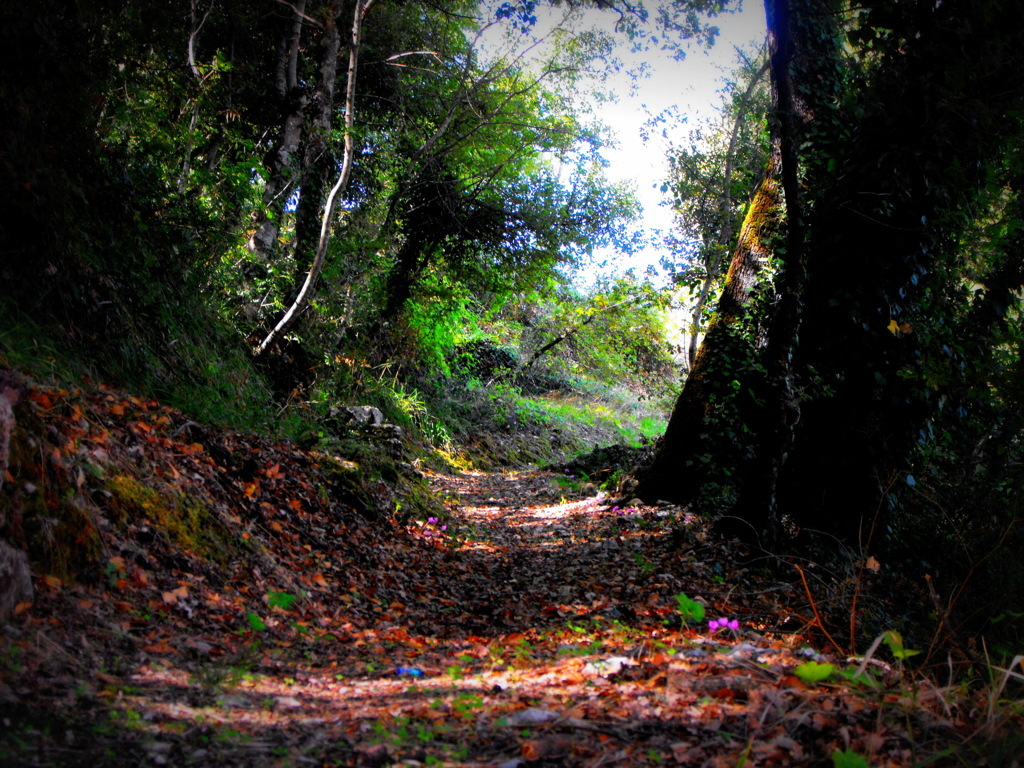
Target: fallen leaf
160,647
174,595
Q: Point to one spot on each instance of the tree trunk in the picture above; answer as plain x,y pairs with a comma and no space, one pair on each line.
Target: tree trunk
281,164
318,162
411,260
758,501
725,217
890,175
928,127
305,293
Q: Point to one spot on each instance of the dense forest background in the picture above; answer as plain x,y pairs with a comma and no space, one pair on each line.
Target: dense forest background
258,212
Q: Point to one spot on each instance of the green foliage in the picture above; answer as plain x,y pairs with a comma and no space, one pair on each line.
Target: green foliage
615,332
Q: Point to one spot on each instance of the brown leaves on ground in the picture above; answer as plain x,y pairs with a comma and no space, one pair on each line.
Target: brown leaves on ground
523,627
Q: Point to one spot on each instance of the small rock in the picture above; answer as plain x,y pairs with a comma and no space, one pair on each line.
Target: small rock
365,415
15,579
532,716
747,649
608,667
231,701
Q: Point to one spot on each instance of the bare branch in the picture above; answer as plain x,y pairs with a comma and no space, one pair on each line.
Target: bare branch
194,36
299,11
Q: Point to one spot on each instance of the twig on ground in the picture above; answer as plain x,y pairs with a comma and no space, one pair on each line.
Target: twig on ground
814,607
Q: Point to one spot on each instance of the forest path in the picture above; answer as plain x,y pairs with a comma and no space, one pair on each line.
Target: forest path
539,543
533,624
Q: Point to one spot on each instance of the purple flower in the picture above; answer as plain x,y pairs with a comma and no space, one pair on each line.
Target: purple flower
723,623
432,520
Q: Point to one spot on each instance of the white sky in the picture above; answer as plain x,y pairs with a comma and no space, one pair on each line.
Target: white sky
691,85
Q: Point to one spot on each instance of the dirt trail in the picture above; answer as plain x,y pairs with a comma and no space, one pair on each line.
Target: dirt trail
530,626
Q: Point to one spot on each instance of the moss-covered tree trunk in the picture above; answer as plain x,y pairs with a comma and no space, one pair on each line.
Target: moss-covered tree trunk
683,462
803,60
742,382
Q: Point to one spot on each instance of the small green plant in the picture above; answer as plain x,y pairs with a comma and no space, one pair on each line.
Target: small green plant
132,719
255,622
849,759
10,658
571,481
281,600
894,640
690,611
466,703
813,672
230,735
646,566
867,678
523,650
114,572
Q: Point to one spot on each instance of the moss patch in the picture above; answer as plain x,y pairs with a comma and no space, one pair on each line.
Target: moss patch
183,519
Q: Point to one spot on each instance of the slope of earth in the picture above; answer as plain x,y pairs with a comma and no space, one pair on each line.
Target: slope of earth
234,604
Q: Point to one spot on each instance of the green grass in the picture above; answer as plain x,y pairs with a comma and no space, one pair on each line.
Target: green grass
607,417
